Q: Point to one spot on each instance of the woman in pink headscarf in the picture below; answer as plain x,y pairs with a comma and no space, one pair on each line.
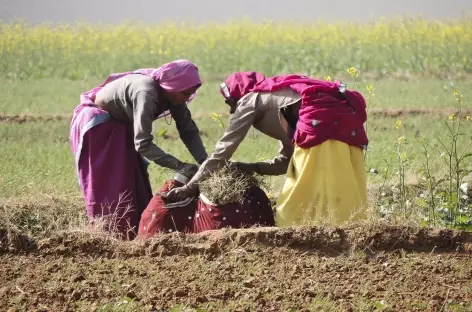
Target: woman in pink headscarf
320,128
111,139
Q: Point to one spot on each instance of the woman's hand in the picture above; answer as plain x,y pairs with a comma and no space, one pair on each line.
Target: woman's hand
180,193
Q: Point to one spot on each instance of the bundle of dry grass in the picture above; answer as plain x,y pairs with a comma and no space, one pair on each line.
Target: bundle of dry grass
228,185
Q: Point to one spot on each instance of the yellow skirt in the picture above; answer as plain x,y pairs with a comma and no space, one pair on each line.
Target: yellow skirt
324,184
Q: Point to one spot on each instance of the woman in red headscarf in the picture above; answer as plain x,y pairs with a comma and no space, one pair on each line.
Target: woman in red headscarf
111,139
320,127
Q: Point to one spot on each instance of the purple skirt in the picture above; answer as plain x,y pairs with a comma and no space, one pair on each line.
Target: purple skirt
113,177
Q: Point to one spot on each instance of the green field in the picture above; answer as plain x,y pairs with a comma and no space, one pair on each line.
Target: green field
36,157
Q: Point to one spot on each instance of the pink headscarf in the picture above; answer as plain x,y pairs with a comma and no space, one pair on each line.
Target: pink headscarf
175,76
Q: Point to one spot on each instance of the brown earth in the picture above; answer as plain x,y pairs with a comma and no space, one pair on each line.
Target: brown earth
357,268
383,112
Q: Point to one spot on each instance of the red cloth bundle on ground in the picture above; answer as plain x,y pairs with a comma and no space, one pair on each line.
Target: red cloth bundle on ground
200,215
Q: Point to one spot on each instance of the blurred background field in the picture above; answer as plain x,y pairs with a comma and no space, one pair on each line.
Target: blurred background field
403,45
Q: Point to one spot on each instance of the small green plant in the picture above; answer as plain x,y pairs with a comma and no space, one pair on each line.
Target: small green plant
455,159
402,162
124,305
371,94
382,190
429,200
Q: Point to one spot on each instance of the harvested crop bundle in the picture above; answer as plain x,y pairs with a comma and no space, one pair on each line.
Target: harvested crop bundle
228,185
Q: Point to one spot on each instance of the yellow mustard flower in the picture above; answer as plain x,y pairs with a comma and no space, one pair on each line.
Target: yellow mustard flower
398,124
352,71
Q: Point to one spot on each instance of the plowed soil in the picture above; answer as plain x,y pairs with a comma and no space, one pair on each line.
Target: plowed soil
266,269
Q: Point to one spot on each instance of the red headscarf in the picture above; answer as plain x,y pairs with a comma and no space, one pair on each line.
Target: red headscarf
239,84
